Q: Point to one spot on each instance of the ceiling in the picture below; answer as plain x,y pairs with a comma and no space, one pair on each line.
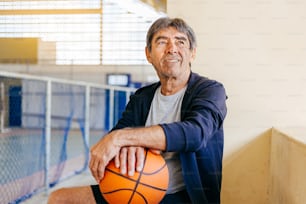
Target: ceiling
159,5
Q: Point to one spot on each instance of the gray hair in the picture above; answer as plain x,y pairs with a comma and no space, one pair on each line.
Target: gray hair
177,23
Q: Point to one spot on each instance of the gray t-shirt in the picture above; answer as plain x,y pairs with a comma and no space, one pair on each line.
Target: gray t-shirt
167,109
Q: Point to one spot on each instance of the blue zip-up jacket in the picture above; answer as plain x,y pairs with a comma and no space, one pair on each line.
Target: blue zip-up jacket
198,136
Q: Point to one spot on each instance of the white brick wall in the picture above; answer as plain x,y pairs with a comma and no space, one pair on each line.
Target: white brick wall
258,50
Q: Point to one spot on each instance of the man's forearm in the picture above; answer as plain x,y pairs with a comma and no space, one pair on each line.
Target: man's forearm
152,137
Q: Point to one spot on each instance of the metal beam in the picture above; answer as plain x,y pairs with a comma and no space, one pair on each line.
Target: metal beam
158,5
50,11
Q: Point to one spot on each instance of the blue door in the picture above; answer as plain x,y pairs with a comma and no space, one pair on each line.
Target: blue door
15,106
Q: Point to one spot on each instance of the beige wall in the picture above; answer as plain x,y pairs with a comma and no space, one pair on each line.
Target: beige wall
257,49
246,173
268,170
288,166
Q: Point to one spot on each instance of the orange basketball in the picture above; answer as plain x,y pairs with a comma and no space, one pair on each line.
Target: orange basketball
148,186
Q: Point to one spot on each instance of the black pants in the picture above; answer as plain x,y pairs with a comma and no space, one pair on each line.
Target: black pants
180,197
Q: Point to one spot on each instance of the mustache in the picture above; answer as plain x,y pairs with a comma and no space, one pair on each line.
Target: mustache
171,57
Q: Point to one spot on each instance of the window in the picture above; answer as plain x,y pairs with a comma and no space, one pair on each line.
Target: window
82,32
124,31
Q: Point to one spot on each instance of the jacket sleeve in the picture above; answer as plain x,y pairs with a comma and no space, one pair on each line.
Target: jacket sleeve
203,112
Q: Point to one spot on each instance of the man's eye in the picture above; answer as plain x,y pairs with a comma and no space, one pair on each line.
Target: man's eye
161,42
181,42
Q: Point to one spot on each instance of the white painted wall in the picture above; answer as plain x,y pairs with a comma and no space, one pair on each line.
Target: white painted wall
257,49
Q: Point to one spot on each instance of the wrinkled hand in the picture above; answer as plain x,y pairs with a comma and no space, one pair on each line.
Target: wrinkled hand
101,153
130,159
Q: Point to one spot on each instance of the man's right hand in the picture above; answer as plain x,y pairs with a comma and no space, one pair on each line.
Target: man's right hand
101,153
130,159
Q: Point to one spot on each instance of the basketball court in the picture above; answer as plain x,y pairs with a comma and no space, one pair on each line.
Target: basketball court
84,178
47,128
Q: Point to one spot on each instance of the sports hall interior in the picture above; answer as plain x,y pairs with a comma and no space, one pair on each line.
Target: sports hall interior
68,67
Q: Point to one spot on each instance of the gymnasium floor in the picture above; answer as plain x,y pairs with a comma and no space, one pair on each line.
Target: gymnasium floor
78,180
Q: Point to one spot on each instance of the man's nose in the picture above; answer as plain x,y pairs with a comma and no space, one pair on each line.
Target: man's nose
171,47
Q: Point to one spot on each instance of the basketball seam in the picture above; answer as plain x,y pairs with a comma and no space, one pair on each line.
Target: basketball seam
141,183
127,189
154,172
137,181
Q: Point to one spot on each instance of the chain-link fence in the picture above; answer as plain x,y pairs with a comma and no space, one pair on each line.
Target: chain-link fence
47,128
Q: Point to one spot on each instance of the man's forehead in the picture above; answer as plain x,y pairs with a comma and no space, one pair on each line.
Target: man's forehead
170,32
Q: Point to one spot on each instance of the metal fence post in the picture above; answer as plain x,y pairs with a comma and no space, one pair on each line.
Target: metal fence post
111,108
87,122
48,134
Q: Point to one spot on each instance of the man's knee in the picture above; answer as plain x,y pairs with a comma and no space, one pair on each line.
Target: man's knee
72,195
57,197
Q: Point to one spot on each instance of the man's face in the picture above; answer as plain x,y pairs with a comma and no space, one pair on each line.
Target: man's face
170,53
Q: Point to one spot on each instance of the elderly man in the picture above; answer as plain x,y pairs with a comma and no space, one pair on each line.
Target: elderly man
180,117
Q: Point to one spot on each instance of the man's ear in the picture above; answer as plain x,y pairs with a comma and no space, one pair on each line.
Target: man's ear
193,54
148,54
